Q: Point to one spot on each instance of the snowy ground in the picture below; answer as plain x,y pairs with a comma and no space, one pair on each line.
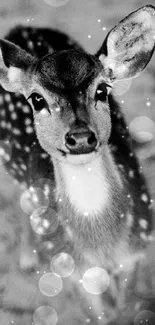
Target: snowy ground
79,18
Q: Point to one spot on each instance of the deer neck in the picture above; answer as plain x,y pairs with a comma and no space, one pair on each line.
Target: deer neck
89,189
91,199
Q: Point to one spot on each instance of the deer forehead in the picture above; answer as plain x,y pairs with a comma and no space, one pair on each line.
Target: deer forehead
67,70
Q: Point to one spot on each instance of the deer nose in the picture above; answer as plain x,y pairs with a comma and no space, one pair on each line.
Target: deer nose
80,141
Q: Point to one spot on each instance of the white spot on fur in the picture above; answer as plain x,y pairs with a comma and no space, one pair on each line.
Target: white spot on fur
2,112
17,145
20,172
144,236
27,149
7,157
27,121
131,173
29,130
3,124
11,107
143,223
30,45
151,238
26,109
44,155
87,192
7,97
144,198
14,165
16,131
2,151
14,116
19,104
23,167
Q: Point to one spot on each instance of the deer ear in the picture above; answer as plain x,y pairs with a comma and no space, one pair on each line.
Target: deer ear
129,46
14,63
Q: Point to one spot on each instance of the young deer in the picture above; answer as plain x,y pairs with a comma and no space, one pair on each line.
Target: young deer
97,188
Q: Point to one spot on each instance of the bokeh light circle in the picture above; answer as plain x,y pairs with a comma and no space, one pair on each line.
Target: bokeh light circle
42,183
62,264
50,284
40,224
39,198
142,129
145,317
96,280
122,86
5,152
56,3
33,198
45,315
26,202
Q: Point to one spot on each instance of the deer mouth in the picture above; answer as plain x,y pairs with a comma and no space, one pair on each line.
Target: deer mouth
80,157
78,152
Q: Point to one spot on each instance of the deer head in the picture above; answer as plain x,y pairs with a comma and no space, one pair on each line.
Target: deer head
68,90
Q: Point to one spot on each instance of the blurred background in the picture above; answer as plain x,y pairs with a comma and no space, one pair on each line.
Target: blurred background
88,22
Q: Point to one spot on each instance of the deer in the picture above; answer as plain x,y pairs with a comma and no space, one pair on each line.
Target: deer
79,140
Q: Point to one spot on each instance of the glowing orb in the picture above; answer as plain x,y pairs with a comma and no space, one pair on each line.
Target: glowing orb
96,280
145,317
45,315
62,264
42,225
142,129
26,202
32,199
5,153
148,103
44,183
56,3
50,284
39,198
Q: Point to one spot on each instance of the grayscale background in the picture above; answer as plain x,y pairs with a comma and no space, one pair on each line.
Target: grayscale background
78,18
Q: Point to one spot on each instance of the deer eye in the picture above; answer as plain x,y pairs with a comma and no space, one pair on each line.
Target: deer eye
102,92
38,101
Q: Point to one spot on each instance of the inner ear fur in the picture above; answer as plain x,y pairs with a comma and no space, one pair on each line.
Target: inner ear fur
129,46
14,63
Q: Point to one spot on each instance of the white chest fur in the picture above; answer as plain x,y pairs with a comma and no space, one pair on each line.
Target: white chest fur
86,186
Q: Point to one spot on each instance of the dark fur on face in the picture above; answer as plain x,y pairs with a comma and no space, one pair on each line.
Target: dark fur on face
67,69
